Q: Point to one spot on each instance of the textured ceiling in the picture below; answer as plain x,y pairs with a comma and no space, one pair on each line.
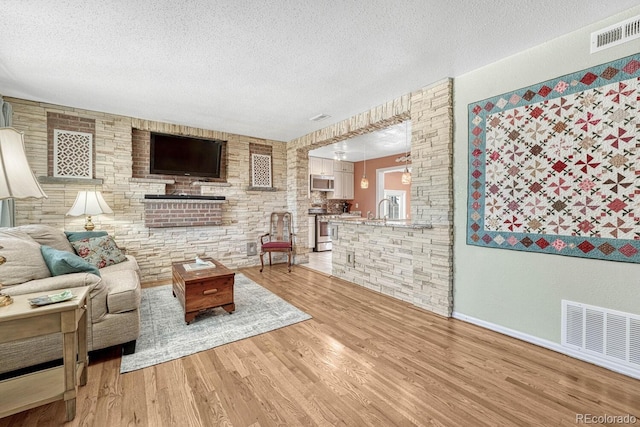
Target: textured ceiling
262,68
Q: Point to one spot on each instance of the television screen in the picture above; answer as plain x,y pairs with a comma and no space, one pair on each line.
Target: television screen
181,155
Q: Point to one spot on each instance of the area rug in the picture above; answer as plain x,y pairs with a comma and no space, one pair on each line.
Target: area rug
165,336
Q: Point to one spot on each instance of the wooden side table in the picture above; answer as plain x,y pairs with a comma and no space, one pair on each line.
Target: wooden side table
203,288
18,321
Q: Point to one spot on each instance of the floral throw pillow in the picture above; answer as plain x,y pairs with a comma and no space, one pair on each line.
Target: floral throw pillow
99,251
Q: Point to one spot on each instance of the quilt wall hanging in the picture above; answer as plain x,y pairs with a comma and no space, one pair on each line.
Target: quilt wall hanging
554,168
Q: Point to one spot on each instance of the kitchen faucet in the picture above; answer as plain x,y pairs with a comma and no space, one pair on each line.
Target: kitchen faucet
379,211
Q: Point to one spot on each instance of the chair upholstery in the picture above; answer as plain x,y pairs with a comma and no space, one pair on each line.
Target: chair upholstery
278,239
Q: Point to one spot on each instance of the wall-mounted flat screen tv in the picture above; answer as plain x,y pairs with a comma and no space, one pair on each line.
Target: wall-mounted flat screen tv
182,155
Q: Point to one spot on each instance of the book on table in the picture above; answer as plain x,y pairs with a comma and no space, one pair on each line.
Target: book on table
51,299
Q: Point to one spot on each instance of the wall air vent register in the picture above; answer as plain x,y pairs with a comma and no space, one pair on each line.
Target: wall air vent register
608,334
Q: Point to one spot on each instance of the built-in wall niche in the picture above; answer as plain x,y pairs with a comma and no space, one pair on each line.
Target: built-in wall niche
70,147
260,167
141,167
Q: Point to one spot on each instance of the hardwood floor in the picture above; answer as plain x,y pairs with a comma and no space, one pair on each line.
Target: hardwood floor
364,359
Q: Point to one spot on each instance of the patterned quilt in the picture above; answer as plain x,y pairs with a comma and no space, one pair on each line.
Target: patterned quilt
554,167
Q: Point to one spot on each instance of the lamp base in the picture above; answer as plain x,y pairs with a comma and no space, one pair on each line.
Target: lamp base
89,225
5,300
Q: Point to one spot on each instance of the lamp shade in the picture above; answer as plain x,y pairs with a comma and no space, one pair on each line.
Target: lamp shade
17,181
89,203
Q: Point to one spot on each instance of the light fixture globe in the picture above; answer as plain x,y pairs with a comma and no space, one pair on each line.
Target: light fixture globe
364,182
406,176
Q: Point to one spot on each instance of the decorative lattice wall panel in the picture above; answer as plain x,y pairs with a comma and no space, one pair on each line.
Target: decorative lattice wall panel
261,170
72,154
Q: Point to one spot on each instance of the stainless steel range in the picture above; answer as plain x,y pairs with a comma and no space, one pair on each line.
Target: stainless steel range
321,230
323,234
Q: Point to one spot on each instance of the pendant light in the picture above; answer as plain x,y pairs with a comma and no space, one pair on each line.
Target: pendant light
406,175
364,182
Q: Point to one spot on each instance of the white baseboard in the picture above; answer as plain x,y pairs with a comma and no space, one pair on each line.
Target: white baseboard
608,364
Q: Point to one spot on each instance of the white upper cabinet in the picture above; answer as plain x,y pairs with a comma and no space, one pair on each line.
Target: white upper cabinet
341,166
320,166
343,185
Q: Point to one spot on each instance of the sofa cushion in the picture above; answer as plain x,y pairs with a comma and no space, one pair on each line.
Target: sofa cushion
129,264
47,235
22,259
74,236
99,251
63,262
123,291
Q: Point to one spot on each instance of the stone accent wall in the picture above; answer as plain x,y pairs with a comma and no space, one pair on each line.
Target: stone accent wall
383,257
245,214
432,196
431,112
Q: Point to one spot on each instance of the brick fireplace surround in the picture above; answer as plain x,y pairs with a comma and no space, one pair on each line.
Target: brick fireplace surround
162,213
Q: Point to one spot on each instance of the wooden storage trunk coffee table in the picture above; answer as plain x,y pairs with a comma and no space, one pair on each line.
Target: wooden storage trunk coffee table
200,288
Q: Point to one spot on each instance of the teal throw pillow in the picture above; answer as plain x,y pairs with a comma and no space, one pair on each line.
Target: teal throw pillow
74,236
99,251
63,262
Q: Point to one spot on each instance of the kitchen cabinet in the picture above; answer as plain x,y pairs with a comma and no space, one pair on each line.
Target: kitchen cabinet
312,232
343,185
320,166
341,166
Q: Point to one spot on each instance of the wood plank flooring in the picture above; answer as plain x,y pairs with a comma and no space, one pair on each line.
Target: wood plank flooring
364,359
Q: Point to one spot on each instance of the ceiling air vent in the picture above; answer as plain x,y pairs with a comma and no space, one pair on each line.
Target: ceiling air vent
616,34
319,117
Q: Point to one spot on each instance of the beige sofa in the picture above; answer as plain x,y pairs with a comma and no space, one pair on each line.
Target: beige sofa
113,313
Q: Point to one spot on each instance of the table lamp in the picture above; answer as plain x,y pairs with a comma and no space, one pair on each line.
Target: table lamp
17,180
89,203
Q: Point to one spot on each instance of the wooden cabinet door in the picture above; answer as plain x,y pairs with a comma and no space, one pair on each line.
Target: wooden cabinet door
347,185
338,192
341,166
327,167
312,232
315,166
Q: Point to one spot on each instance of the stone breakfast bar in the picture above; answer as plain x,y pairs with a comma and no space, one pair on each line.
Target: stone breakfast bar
396,258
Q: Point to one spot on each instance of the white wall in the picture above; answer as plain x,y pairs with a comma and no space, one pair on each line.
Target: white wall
518,290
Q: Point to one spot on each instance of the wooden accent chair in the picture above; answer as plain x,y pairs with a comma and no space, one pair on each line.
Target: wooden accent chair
278,239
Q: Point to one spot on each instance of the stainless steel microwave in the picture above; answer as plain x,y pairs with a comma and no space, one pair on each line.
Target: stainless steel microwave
321,182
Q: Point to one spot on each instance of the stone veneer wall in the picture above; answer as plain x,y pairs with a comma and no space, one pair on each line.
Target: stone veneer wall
380,258
431,112
245,213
